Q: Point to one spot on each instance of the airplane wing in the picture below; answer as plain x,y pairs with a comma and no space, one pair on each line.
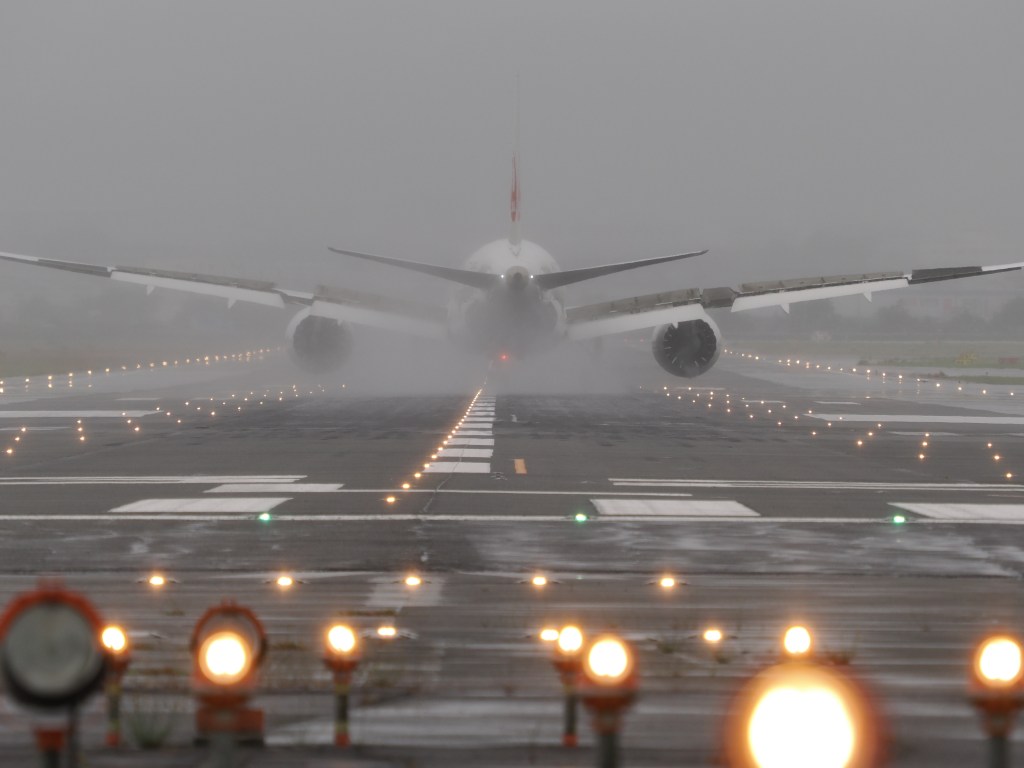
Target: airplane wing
656,309
346,305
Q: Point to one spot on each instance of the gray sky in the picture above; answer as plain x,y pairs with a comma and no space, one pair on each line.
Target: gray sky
243,137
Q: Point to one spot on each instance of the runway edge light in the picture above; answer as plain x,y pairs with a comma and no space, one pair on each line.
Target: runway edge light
996,689
228,647
341,657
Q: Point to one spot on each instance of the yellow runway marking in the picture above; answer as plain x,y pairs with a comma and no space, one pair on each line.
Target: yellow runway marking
520,466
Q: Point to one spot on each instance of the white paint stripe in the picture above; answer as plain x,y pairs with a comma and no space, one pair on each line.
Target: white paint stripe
467,453
817,485
837,402
276,488
658,508
202,505
151,480
560,519
74,414
459,467
478,422
903,418
967,512
471,441
473,433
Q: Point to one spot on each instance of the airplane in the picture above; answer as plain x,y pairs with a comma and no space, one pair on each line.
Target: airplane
509,302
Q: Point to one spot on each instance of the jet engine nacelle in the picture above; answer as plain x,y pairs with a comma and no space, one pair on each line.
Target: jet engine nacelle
318,344
687,349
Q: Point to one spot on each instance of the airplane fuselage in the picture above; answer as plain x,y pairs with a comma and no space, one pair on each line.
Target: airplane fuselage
516,317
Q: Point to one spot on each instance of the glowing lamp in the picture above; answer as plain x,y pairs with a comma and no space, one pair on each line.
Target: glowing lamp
797,641
114,639
228,645
713,636
570,640
549,634
341,639
998,662
802,715
608,661
225,658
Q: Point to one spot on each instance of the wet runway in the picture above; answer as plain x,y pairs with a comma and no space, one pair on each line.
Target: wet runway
883,511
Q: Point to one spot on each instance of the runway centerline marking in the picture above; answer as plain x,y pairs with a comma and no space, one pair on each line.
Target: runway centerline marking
670,508
246,505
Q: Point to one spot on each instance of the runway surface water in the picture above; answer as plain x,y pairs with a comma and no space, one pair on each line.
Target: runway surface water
883,511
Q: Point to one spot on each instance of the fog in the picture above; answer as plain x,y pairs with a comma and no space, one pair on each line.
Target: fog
242,138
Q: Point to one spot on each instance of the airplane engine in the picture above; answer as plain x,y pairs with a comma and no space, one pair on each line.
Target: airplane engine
318,344
687,349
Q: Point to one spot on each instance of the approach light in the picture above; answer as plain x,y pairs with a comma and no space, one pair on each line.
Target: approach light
412,580
608,661
341,639
386,631
228,644
418,475
570,640
666,582
539,581
156,580
284,581
549,634
797,641
390,499
802,715
713,635
998,663
225,658
114,639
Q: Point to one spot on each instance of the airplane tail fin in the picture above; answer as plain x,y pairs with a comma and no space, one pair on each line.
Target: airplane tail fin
515,235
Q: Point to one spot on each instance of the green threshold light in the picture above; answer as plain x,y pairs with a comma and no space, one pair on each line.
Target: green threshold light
899,519
581,517
264,517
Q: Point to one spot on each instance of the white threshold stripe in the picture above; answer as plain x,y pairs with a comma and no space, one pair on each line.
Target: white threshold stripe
151,480
248,505
472,433
670,508
998,513
817,485
277,488
459,467
80,414
471,441
561,519
903,418
467,453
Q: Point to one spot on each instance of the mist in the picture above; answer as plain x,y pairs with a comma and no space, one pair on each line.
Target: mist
243,138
